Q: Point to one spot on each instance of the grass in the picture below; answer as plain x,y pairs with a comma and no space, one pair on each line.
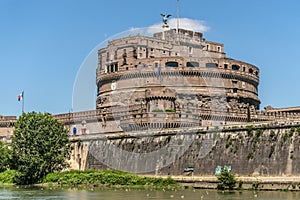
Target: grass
109,178
106,178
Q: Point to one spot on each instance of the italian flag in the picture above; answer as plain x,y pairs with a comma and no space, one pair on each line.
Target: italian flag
20,96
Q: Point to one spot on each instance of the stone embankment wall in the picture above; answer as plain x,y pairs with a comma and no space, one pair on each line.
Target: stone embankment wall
265,149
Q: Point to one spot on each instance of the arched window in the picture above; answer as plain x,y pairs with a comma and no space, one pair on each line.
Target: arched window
251,71
235,67
192,64
172,64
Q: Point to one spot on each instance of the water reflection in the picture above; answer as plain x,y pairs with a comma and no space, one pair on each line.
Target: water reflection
124,194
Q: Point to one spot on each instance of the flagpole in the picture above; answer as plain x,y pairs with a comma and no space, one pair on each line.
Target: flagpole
23,102
177,15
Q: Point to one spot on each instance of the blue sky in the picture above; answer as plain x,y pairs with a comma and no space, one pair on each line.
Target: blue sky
44,43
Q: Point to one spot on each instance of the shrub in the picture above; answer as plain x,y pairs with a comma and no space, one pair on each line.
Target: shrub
170,110
226,180
7,176
250,131
272,134
250,155
255,185
157,110
259,132
285,137
271,151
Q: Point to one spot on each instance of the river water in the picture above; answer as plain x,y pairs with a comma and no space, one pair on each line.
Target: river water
12,192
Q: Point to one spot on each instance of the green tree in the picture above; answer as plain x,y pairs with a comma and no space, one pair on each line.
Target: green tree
226,180
40,145
5,157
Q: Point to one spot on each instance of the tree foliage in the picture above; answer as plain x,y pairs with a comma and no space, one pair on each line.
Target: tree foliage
40,145
5,156
226,180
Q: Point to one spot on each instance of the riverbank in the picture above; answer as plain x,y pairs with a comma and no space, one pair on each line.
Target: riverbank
286,183
119,179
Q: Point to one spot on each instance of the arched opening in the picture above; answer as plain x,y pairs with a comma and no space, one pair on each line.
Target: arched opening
235,67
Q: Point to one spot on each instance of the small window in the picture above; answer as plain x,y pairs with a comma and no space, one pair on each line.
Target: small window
211,65
219,49
190,50
234,82
251,71
235,90
116,55
116,67
126,68
256,73
107,56
156,64
192,64
235,67
225,66
171,64
134,54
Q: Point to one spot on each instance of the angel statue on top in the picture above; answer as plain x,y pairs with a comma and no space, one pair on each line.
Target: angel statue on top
165,20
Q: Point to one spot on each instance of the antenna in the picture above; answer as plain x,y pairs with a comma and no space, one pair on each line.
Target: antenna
178,11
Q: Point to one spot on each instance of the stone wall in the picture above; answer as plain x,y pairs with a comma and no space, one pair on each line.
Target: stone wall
250,150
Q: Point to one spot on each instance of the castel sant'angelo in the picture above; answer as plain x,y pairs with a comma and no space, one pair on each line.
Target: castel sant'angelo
176,83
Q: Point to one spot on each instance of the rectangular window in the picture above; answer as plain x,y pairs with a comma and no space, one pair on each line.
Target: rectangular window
211,65
116,67
111,68
190,50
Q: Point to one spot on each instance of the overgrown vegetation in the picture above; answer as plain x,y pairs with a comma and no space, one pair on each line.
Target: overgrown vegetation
250,130
157,110
226,180
250,155
170,110
255,185
107,177
272,151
